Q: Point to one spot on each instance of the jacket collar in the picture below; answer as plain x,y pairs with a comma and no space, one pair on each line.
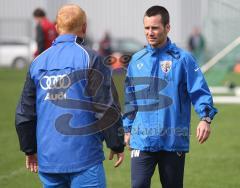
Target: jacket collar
170,48
161,49
68,38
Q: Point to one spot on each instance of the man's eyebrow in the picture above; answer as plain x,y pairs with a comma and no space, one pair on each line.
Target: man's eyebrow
151,27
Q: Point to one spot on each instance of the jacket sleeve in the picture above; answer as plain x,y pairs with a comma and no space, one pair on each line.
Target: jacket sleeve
40,39
25,119
198,90
130,107
107,94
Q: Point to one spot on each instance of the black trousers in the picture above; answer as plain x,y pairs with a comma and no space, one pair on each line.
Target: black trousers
170,167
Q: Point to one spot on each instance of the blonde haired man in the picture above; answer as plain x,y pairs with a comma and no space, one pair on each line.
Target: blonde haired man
68,106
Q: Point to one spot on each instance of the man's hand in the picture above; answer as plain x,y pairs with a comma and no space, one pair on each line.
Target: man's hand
31,163
127,140
120,157
203,131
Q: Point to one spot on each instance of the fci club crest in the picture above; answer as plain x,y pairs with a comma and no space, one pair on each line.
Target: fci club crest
166,66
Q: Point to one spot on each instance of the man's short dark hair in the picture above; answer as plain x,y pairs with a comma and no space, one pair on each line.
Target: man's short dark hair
39,13
158,10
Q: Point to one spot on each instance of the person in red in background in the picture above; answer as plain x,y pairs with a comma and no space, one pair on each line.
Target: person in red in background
105,48
45,31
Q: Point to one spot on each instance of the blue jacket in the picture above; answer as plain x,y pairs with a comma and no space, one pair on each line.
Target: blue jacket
67,108
160,86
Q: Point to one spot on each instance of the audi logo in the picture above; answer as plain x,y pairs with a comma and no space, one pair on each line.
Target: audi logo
55,82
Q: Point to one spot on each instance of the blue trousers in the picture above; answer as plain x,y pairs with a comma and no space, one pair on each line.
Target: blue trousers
93,177
170,167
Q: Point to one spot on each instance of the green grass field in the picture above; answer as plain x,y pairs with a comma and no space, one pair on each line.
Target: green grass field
232,78
215,164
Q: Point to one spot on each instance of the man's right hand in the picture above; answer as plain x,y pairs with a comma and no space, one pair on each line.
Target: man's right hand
31,163
120,157
127,140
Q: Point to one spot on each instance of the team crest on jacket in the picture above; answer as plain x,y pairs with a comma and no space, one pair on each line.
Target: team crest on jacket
166,66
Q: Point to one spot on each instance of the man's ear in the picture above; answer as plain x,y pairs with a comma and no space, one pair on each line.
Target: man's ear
168,27
56,27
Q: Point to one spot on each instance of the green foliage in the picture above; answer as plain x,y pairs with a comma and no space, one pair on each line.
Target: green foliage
214,164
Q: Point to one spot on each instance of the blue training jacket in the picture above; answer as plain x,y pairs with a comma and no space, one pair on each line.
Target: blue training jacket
67,108
160,86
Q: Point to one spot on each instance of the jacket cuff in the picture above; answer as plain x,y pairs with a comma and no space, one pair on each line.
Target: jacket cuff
127,129
30,153
208,112
118,150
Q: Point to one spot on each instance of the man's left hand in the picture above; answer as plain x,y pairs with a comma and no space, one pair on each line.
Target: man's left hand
203,131
32,163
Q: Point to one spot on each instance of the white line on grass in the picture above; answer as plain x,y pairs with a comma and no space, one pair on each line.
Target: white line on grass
226,100
216,59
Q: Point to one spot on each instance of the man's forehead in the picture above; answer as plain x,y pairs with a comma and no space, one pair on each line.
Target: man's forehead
153,19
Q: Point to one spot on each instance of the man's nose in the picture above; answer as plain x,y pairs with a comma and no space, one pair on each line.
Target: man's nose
151,32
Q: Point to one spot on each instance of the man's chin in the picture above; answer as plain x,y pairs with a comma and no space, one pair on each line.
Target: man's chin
153,44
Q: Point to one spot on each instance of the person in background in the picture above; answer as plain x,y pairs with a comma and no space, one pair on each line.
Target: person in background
45,31
105,48
161,83
196,45
68,106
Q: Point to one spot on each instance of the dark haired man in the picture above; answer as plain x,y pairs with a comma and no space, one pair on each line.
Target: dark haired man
45,31
162,82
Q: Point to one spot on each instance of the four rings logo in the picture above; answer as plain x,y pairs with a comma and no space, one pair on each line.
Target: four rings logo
55,83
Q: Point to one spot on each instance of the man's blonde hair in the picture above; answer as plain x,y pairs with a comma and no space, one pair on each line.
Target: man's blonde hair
70,19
